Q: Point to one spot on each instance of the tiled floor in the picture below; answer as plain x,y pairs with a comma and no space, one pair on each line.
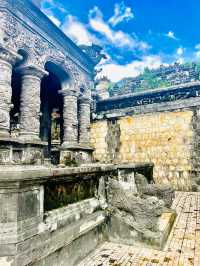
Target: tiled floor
182,248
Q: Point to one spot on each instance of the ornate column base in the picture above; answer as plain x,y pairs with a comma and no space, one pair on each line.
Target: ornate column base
15,151
26,136
4,133
75,155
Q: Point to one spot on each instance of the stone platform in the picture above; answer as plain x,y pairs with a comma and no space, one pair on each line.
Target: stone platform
181,249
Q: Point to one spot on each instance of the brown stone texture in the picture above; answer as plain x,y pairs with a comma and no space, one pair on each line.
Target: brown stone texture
163,138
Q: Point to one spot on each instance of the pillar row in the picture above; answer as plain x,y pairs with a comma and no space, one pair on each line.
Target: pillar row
84,121
70,118
7,59
30,102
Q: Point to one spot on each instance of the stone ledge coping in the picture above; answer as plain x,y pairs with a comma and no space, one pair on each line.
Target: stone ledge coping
167,99
41,174
149,108
76,147
180,86
23,142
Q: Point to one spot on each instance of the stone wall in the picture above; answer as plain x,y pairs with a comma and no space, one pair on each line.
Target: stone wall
164,139
161,127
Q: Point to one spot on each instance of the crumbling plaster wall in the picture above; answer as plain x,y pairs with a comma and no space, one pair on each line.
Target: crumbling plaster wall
171,140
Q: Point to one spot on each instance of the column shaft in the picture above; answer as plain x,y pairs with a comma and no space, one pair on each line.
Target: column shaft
7,59
84,121
70,117
30,102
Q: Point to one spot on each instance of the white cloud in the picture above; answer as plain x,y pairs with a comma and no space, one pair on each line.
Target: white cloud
171,35
50,11
77,31
180,60
197,53
180,51
116,72
53,4
121,13
197,46
116,38
54,20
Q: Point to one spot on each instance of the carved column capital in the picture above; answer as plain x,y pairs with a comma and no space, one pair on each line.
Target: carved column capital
33,71
9,56
85,100
69,92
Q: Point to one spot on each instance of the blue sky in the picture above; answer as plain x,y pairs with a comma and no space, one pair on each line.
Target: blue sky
134,33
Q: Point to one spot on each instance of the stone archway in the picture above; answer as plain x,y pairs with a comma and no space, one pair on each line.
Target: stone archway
51,122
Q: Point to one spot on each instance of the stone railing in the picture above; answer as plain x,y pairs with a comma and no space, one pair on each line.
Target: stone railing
34,230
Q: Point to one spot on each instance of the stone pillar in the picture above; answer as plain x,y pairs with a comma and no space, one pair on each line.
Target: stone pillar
70,117
30,102
20,217
84,121
7,59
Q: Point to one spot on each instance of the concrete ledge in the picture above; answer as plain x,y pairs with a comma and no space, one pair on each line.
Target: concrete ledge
20,141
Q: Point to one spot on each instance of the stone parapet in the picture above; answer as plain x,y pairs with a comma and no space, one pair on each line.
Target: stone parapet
32,235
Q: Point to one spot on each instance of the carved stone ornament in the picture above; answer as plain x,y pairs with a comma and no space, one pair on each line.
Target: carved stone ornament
39,51
8,55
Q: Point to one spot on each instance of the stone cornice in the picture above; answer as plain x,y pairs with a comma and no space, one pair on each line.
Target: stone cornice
27,13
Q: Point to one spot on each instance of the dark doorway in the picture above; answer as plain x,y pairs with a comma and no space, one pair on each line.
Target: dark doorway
15,108
51,129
